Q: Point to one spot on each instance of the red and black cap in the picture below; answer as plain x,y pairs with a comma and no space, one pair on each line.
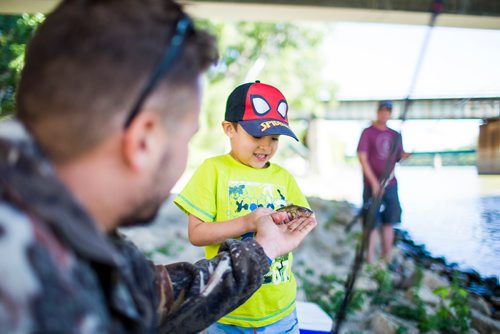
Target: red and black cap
260,109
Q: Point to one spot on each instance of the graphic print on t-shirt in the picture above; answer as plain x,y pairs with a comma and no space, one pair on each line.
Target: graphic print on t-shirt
383,144
244,197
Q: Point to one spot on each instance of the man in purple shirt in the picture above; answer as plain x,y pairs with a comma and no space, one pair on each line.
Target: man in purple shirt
377,158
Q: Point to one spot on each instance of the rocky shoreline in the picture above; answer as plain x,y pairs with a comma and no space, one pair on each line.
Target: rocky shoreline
486,287
417,293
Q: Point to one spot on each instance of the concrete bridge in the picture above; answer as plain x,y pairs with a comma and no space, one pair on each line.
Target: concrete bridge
457,13
430,108
485,108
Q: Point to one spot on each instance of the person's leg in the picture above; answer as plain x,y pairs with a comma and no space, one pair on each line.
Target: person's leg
372,237
390,216
387,242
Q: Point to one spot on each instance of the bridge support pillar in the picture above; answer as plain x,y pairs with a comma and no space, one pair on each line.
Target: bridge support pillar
488,148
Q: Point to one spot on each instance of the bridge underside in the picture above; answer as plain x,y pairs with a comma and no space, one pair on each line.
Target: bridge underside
460,13
457,108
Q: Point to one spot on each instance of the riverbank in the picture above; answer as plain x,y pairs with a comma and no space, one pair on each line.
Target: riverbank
416,294
452,210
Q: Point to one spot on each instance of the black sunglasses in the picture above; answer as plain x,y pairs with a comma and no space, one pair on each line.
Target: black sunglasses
184,24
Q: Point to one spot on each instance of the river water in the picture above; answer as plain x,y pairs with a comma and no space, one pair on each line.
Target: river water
453,211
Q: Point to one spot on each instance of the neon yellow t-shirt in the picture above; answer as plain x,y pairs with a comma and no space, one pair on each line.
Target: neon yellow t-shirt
222,189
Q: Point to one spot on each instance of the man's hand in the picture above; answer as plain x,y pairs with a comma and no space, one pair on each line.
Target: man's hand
375,188
280,239
298,223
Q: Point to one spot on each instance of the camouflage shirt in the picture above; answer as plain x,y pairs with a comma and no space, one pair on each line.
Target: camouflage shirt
60,274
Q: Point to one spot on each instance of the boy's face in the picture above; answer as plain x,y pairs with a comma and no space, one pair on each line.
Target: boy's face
251,151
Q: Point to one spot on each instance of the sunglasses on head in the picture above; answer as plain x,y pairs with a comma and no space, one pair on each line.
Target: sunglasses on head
184,24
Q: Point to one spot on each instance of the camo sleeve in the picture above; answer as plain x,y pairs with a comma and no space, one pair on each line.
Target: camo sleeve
207,290
18,282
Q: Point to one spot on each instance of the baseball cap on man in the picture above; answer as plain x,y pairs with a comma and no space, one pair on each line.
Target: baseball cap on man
260,109
385,104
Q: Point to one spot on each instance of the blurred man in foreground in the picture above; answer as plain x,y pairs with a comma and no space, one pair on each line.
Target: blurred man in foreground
109,96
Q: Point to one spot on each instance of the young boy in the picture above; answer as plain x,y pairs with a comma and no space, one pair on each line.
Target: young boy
228,193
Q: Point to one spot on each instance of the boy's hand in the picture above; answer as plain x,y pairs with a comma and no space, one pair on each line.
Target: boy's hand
253,216
279,239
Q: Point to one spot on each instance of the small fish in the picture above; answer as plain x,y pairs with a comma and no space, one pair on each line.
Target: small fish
296,211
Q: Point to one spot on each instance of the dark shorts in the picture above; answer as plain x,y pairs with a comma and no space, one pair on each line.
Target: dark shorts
390,208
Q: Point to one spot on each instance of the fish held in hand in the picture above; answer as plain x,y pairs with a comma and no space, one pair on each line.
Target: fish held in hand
295,211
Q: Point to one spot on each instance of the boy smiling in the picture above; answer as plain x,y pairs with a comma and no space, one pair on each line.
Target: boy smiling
228,193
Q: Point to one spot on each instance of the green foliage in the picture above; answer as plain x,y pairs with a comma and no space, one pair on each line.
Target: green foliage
452,315
453,312
419,276
401,330
384,293
15,31
416,312
354,237
285,55
329,293
170,249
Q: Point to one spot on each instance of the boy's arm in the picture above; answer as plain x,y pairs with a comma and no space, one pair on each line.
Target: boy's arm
194,296
208,233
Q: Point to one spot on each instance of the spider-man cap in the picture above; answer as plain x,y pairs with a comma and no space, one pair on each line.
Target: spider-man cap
260,109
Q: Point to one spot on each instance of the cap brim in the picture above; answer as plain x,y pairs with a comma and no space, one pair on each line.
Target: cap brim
267,127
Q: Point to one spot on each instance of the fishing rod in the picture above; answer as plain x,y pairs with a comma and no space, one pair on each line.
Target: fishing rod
376,200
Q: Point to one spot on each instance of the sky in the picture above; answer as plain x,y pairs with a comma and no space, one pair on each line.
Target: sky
379,60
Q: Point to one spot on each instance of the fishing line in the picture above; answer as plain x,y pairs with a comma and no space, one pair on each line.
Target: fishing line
370,218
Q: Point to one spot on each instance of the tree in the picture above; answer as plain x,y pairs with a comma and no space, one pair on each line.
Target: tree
283,54
15,31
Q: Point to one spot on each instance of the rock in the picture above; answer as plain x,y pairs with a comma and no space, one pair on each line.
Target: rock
382,323
340,254
397,255
428,296
484,324
474,276
366,284
478,303
406,278
434,281
343,218
480,289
